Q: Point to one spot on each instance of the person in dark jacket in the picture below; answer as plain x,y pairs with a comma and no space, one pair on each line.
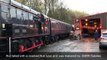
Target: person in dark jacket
96,35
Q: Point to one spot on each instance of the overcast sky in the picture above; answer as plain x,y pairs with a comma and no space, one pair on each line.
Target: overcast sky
89,6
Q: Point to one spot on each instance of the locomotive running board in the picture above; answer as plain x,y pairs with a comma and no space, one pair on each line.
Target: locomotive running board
22,49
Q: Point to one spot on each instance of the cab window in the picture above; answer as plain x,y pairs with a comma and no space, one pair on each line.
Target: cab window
4,11
19,16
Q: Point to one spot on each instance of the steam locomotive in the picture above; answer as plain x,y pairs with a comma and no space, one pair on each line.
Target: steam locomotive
23,29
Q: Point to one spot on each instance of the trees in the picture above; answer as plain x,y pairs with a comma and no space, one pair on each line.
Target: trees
54,9
50,6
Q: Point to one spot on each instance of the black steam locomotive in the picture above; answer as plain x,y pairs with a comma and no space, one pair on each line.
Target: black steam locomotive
23,29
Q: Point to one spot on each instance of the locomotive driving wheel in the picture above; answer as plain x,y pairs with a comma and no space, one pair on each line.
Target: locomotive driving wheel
27,43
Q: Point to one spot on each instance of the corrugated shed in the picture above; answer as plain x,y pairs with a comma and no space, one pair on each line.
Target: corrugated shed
102,16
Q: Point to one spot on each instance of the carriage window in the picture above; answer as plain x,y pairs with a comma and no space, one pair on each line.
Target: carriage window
13,12
61,25
53,25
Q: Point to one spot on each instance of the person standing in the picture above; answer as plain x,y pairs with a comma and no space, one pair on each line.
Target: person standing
96,35
79,37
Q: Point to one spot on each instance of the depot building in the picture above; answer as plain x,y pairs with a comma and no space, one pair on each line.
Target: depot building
101,16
